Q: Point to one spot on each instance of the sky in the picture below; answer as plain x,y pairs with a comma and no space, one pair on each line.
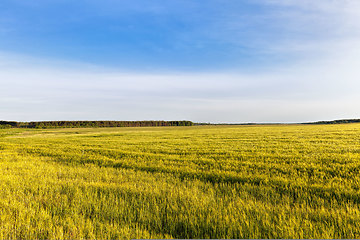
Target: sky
232,61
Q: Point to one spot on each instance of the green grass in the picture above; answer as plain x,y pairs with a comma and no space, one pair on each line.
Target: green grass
295,181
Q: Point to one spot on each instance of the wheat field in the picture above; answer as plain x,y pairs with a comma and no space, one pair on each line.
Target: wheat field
275,181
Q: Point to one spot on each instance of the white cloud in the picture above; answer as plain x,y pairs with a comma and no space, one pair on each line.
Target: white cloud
292,29
325,90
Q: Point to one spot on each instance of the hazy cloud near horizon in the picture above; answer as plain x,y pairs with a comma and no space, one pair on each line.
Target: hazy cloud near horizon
291,61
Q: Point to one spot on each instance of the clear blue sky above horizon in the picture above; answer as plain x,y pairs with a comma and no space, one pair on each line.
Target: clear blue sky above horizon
160,35
212,61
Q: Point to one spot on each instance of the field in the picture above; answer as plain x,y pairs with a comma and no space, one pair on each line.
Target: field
288,181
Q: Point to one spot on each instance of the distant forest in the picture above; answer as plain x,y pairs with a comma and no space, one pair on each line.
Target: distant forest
336,121
88,124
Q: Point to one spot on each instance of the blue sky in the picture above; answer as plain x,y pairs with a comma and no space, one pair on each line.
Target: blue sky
212,61
155,35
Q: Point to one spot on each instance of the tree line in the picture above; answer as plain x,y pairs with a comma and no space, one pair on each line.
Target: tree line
86,124
336,121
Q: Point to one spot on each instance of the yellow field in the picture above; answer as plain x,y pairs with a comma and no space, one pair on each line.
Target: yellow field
298,181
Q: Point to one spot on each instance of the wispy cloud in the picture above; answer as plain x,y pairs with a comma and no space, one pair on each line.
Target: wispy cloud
292,29
327,90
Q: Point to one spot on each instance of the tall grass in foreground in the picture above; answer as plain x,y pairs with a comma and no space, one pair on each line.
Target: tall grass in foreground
181,182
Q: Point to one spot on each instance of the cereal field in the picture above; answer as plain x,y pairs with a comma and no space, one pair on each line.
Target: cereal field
278,181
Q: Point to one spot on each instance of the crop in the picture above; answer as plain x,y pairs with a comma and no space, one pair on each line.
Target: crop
280,181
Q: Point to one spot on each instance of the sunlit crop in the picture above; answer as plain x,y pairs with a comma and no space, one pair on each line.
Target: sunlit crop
281,181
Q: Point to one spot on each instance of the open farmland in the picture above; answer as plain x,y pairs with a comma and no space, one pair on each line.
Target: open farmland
280,181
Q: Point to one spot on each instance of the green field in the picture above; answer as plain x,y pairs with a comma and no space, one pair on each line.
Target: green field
281,181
